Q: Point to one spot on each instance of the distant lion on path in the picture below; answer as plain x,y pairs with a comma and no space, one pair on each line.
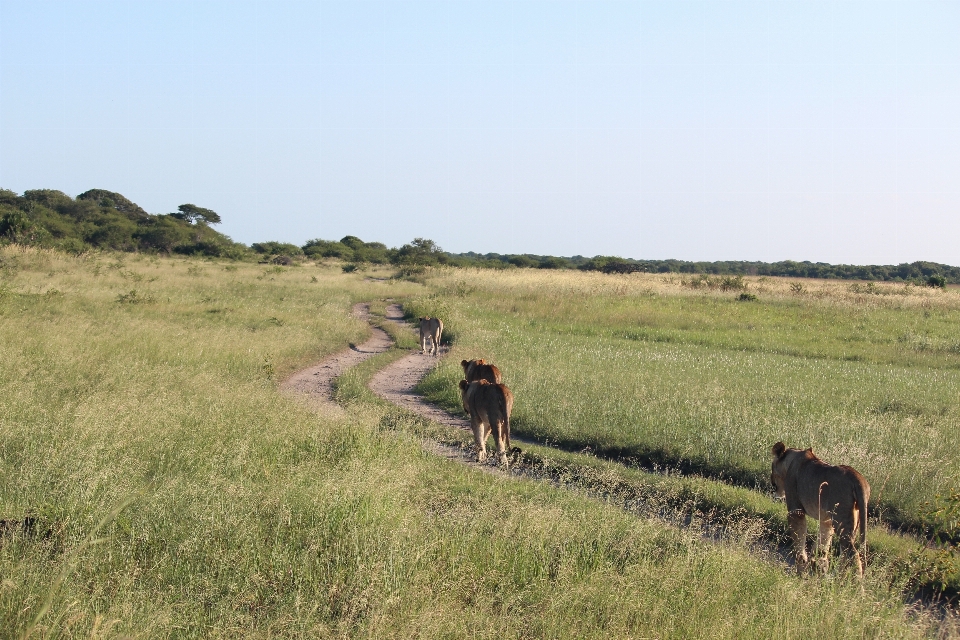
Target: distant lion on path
430,328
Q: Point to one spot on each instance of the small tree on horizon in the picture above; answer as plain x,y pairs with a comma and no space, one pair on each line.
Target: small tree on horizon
422,251
193,214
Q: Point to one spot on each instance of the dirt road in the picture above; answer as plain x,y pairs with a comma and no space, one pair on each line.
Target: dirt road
394,383
315,384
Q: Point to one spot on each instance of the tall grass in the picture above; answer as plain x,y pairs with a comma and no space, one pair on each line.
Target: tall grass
178,494
646,367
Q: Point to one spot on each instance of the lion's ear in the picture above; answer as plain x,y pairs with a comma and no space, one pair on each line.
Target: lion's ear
463,385
778,450
464,363
481,361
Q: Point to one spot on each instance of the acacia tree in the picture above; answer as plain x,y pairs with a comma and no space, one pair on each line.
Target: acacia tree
193,214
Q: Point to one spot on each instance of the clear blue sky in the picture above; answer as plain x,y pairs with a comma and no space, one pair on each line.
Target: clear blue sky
706,130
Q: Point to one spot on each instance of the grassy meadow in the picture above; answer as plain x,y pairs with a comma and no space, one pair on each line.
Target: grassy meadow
667,371
179,494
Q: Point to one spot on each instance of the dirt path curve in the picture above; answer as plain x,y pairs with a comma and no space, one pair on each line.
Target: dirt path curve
395,382
315,384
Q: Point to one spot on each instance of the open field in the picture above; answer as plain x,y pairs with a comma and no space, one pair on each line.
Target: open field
178,494
648,367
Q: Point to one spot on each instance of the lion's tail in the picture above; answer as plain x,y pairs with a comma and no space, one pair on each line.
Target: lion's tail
505,412
861,496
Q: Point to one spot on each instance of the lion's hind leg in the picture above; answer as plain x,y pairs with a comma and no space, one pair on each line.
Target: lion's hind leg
847,533
823,544
798,531
479,437
501,439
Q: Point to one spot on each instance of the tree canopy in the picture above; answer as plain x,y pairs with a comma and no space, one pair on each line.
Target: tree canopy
107,220
193,214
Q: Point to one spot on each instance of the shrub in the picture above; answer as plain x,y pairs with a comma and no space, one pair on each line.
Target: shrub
747,297
134,298
276,248
937,280
733,283
553,262
522,261
76,246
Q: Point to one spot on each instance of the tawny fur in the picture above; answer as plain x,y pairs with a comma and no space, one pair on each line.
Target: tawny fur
481,370
489,406
430,328
836,496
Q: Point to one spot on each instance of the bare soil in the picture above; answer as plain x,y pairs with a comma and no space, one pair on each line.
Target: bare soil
394,383
315,384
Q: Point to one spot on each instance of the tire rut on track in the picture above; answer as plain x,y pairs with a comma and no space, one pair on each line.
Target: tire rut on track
394,383
314,384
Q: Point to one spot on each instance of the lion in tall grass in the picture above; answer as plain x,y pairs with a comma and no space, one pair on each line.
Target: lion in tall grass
837,496
481,370
489,406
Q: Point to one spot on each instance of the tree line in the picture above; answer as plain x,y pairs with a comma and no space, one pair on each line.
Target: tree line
100,219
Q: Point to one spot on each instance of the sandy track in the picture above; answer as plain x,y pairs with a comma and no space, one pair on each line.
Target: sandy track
395,382
315,384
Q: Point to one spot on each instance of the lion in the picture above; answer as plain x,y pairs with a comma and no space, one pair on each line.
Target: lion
489,406
430,328
836,496
481,370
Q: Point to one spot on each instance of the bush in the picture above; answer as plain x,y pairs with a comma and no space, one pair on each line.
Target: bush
16,227
316,249
524,262
75,246
747,297
276,248
936,281
733,283
554,262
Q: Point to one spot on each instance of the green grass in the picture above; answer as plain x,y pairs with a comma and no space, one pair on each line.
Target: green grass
180,495
641,368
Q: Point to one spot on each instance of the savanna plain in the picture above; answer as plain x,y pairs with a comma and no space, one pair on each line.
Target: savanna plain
176,492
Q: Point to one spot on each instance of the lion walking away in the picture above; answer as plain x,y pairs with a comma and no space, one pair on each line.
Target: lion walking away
836,496
430,328
489,406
